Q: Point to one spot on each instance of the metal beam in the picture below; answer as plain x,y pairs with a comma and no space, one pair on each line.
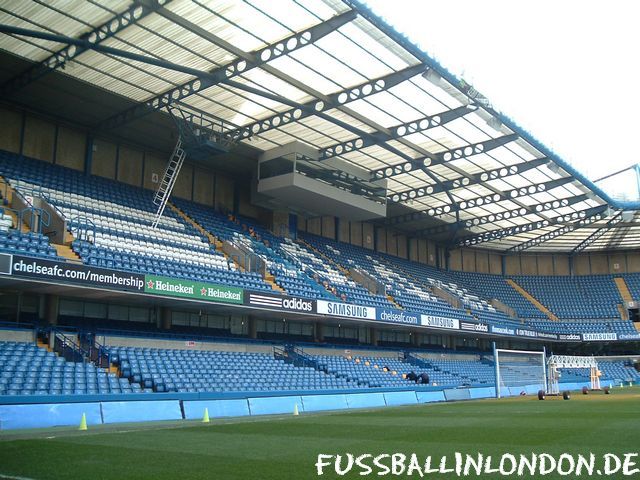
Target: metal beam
334,100
556,233
194,72
488,200
136,12
580,217
10,29
219,75
397,131
598,233
474,179
442,157
543,238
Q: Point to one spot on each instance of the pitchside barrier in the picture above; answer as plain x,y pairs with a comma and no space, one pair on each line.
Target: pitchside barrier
138,408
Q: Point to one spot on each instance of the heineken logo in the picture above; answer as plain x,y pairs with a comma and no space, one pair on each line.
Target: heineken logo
188,289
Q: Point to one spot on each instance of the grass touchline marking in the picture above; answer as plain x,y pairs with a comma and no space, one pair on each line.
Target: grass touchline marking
13,477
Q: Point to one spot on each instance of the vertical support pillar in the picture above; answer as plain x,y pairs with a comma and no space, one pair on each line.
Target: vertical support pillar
373,335
496,370
165,318
293,226
52,303
252,328
318,332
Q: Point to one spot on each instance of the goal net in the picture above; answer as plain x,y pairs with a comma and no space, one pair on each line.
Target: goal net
519,371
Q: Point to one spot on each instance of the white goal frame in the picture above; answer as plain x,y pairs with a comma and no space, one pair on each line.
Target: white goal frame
557,362
496,361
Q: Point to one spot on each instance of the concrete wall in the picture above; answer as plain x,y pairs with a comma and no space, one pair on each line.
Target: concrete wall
224,188
66,145
117,341
71,148
16,335
154,166
470,260
39,139
10,129
105,154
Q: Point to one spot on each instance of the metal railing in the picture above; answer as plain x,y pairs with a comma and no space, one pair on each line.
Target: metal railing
97,353
85,228
67,348
86,350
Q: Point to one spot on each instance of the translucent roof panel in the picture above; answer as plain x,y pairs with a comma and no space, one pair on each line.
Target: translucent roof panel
326,73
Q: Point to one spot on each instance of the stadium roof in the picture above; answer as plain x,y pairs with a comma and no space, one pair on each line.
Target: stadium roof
331,74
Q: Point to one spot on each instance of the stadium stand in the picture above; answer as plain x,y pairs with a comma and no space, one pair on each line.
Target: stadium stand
205,371
26,369
112,224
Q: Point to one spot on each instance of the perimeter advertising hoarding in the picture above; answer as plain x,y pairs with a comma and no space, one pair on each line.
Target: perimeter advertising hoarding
629,336
335,309
174,287
279,302
41,269
439,322
86,275
502,330
397,316
599,337
474,327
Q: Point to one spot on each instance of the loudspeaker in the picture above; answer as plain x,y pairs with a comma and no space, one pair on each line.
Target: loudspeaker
540,394
566,395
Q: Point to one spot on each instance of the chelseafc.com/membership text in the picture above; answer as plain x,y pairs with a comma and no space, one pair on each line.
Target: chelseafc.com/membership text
57,271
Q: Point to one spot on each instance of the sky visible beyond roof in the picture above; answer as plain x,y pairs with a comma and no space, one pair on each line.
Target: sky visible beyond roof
566,71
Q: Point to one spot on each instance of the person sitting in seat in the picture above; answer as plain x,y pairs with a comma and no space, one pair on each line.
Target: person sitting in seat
424,379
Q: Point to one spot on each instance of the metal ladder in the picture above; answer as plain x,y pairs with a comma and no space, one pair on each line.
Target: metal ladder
163,193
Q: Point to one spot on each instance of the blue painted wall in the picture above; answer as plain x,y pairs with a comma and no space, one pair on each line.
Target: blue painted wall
117,412
48,415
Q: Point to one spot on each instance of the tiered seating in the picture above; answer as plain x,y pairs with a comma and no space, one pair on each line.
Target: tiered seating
582,326
633,282
472,370
458,371
6,222
411,295
26,243
113,222
583,303
243,232
26,369
367,371
210,371
618,370
575,297
331,277
495,286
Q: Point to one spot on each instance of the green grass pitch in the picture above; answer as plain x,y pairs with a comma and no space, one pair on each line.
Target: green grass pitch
286,447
